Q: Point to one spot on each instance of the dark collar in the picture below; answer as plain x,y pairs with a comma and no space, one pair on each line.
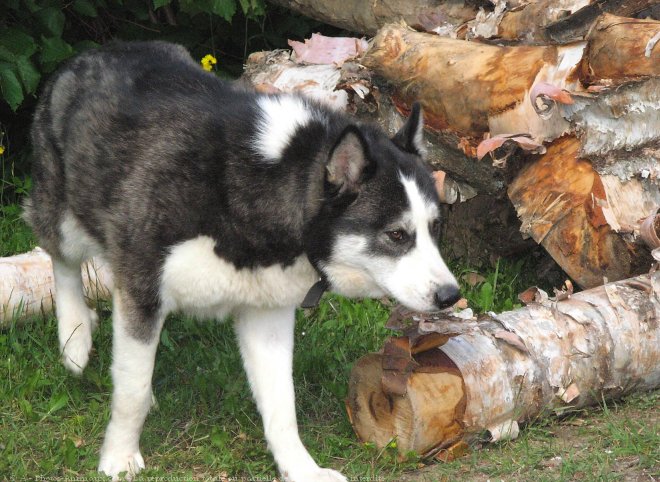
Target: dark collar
314,294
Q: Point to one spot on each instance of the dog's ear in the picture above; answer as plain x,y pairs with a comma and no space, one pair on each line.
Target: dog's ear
348,161
410,137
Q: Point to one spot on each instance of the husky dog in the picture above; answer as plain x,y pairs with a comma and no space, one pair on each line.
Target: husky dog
214,201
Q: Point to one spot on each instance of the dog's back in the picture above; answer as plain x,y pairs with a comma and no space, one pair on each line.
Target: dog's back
127,110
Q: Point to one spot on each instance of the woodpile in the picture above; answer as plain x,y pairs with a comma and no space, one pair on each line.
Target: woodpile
542,116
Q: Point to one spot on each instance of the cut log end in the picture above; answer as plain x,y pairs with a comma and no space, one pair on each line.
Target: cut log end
429,413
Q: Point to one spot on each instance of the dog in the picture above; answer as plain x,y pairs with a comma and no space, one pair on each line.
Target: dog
214,201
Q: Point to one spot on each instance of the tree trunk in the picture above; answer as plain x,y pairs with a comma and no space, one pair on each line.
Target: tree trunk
367,17
503,370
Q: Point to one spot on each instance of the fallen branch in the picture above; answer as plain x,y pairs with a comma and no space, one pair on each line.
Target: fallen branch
493,374
27,286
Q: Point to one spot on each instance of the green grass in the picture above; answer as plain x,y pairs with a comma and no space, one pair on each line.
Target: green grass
52,423
206,425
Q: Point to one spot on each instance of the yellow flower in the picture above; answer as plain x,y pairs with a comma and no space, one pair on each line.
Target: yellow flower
208,62
2,150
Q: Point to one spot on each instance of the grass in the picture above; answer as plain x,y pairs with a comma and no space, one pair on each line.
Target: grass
205,424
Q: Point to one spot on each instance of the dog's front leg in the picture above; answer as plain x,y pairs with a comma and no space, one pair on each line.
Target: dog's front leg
265,337
132,368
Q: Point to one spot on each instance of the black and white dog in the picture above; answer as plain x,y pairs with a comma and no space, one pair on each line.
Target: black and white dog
214,201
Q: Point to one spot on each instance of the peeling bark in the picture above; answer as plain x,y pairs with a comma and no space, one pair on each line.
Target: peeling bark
470,89
551,21
587,222
507,369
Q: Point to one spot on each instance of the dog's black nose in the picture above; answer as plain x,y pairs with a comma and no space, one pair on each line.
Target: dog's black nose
446,296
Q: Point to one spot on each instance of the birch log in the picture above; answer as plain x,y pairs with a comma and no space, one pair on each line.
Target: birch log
538,21
27,286
367,17
496,373
589,222
621,48
469,89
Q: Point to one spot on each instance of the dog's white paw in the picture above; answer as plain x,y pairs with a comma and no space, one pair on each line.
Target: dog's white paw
76,343
114,462
75,349
316,475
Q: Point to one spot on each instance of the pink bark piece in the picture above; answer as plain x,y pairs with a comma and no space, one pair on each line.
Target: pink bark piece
492,143
328,50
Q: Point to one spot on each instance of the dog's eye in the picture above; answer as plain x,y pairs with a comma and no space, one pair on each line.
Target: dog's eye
397,236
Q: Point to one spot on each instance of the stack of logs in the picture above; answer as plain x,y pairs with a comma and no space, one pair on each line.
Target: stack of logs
543,116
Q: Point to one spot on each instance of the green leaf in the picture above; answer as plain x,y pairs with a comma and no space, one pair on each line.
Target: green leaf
10,86
161,3
85,45
31,5
28,74
486,296
51,20
53,51
245,5
56,403
85,7
165,339
16,42
224,8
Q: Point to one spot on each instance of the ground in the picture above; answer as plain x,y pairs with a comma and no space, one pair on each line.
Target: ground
205,425
616,441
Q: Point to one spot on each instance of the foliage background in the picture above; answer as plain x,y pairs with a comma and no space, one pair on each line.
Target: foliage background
37,35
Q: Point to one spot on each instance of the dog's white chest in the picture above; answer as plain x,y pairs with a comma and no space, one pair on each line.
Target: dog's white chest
197,281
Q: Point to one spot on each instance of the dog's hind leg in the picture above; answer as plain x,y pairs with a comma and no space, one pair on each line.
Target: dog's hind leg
265,337
75,320
135,340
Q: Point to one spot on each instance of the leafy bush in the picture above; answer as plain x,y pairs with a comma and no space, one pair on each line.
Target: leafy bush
39,34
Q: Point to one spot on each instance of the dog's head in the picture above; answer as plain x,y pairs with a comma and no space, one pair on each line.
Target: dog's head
378,231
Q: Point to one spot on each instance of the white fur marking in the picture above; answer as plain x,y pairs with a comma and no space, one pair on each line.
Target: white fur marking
199,282
132,369
350,271
265,338
76,244
422,270
281,116
75,320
